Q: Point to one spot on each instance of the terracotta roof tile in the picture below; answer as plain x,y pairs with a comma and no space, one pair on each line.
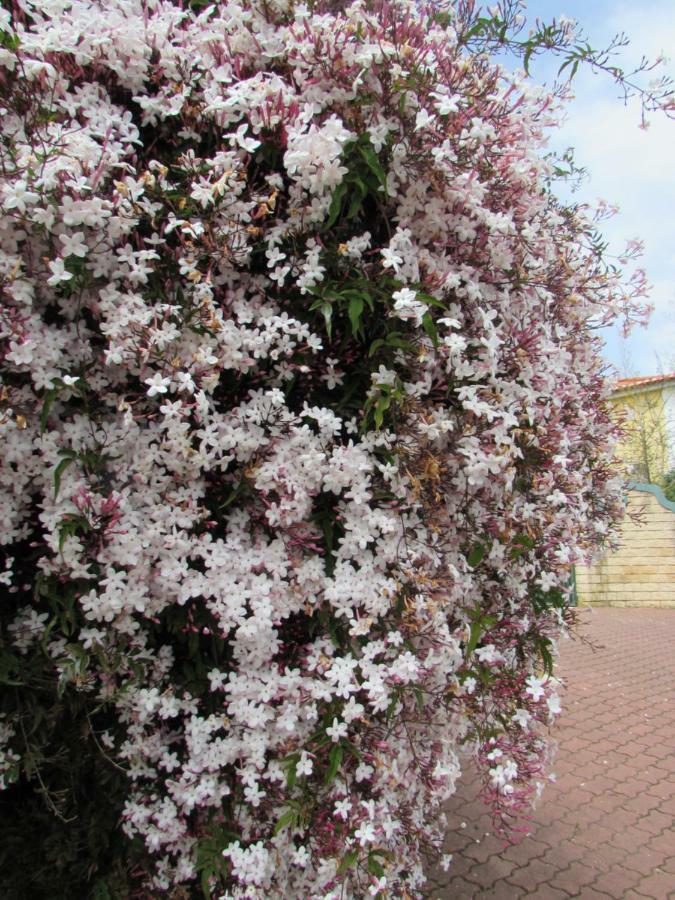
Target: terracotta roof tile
641,380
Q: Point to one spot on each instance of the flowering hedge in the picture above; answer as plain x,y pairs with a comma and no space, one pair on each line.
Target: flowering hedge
303,424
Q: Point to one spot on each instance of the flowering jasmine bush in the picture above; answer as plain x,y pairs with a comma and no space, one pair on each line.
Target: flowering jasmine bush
303,424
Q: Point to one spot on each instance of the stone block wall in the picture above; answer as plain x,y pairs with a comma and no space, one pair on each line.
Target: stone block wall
642,571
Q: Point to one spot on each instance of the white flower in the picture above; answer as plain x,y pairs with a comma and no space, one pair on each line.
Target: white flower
469,685
407,307
449,322
363,772
553,703
74,244
27,627
337,730
391,259
365,834
300,857
503,774
383,377
342,809
445,104
352,710
521,717
59,272
378,886
489,654
279,274
217,679
158,384
423,119
17,196
246,143
171,409
535,687
21,354
305,765
274,255
185,382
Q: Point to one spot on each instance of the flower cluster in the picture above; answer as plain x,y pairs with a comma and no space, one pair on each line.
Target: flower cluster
303,422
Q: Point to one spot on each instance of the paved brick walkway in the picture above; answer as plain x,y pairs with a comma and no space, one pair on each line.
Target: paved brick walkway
606,827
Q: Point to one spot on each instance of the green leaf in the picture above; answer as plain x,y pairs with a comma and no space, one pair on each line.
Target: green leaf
333,633
205,885
375,867
544,645
396,339
9,668
395,697
336,204
381,407
50,396
476,554
9,41
327,528
59,470
234,494
375,346
481,25
373,163
443,19
474,637
288,818
360,191
431,301
356,305
353,749
70,526
552,599
402,102
573,61
430,327
334,762
347,861
292,771
327,312
521,543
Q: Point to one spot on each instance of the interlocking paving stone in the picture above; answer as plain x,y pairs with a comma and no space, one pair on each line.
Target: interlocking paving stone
533,874
606,827
659,884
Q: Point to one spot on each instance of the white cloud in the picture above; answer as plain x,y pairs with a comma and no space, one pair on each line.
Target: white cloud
630,167
649,350
650,27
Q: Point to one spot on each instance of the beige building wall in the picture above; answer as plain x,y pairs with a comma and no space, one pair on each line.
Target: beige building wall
645,446
642,571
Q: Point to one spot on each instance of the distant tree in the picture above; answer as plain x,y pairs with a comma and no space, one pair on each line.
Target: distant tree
668,485
647,436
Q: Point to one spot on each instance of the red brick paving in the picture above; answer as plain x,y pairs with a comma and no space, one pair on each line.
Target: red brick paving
606,827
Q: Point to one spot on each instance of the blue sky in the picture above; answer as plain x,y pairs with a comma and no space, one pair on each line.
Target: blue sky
632,168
